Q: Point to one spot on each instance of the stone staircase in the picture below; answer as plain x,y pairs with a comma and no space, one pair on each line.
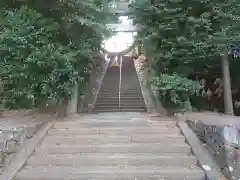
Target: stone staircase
108,99
131,94
131,99
113,146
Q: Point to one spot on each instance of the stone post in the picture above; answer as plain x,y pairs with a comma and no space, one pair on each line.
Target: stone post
73,103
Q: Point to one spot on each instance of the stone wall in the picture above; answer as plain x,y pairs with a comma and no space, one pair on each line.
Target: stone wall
94,85
11,140
149,93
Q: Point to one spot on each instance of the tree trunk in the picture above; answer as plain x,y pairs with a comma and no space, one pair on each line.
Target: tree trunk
228,104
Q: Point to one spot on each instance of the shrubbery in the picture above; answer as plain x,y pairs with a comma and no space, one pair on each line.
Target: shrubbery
45,48
175,90
34,66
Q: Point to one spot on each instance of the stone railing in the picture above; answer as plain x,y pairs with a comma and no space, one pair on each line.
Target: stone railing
94,86
223,143
11,140
149,93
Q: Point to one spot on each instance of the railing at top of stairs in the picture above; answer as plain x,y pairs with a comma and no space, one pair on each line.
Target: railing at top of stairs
120,84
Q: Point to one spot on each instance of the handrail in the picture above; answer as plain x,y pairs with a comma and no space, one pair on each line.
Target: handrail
120,84
105,65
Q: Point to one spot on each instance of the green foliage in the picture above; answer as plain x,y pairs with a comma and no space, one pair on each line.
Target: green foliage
175,90
187,36
185,32
46,47
31,64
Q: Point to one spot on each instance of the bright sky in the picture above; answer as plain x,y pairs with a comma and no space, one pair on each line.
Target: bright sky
122,40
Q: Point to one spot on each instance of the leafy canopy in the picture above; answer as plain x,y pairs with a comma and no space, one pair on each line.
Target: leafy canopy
185,36
46,47
184,32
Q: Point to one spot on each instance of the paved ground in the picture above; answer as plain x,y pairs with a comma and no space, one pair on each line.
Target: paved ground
19,118
116,146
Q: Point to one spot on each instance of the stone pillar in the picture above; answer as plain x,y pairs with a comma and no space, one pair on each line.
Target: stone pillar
73,103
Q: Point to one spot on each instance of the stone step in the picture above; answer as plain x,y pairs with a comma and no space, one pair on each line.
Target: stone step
117,110
138,91
130,86
115,105
106,106
118,116
139,125
122,100
129,125
132,79
123,106
116,148
114,117
115,101
109,88
126,95
113,139
110,173
126,103
79,131
78,160
122,97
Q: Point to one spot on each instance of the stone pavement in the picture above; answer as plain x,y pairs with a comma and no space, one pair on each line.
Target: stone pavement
20,118
116,146
16,127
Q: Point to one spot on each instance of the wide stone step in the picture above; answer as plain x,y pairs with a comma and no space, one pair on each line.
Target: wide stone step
126,95
123,106
79,160
128,125
113,139
123,100
132,92
126,103
110,173
105,101
139,125
107,106
73,132
109,89
122,103
122,97
118,110
114,116
128,86
116,148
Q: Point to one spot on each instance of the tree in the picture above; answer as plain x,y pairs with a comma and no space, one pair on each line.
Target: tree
225,24
188,33
46,47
